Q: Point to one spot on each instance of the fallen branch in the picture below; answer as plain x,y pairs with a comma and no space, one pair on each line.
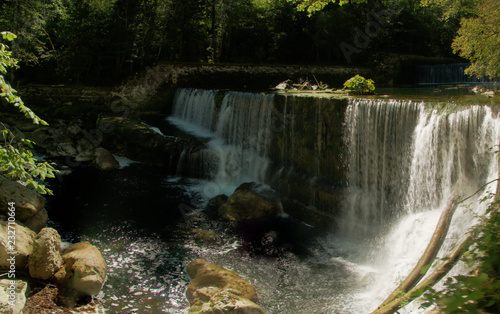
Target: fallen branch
407,291
429,281
430,253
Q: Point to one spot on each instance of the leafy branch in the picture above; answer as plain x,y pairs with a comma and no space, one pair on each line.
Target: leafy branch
17,161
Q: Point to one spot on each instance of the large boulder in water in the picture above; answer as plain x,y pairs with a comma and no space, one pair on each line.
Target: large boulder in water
251,203
82,274
214,289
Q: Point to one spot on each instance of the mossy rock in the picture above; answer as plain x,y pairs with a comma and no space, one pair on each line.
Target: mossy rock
248,204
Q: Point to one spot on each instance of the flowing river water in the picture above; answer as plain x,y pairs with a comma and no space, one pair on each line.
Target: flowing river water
403,161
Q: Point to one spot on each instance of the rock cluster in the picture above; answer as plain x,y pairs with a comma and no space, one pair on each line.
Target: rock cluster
78,271
214,289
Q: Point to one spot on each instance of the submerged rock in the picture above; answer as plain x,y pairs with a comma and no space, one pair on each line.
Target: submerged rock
250,204
217,301
214,289
205,235
82,274
46,258
104,160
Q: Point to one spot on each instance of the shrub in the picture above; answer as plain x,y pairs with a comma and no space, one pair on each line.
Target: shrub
360,85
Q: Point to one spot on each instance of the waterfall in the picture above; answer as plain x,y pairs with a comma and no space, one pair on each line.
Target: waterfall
196,106
378,135
404,157
238,133
405,160
446,74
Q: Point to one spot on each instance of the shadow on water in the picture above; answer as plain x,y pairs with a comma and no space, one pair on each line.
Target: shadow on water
148,226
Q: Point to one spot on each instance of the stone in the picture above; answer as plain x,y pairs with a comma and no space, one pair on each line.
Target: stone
214,289
38,221
206,274
66,149
216,202
131,138
250,204
23,246
46,258
44,301
104,160
83,273
12,302
205,235
27,202
224,302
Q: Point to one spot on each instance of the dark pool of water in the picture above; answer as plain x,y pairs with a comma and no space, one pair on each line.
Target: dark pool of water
150,225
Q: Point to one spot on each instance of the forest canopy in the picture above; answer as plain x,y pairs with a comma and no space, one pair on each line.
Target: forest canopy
95,41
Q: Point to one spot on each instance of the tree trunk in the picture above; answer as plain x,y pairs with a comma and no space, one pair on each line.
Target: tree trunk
431,280
429,255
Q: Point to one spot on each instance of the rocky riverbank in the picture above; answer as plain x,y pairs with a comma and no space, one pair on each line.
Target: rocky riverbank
32,254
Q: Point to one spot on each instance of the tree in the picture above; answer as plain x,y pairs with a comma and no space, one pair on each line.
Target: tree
312,6
479,40
16,157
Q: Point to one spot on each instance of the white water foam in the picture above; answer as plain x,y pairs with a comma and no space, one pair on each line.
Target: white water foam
404,161
448,152
237,135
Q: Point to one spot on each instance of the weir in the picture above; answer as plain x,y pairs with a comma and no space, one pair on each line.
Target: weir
446,74
237,131
385,169
370,160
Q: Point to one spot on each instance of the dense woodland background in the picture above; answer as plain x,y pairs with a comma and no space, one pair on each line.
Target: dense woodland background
101,41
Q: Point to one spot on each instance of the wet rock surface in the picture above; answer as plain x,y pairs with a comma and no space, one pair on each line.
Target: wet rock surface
250,203
214,289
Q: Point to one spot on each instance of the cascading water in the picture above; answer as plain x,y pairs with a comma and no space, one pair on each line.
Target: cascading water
238,131
379,137
405,161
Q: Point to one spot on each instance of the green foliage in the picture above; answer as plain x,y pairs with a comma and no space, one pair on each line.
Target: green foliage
16,157
481,291
478,37
312,6
360,85
479,40
100,41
